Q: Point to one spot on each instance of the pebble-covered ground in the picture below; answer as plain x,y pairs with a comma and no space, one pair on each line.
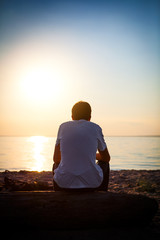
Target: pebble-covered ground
128,181
146,182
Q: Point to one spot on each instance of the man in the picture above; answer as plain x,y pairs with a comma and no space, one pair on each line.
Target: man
75,166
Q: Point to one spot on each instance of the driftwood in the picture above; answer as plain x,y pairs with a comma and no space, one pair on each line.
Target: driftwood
60,210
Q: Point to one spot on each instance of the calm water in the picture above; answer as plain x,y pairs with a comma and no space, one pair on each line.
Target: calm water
35,153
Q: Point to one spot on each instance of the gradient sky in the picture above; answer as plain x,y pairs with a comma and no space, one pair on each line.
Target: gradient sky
55,53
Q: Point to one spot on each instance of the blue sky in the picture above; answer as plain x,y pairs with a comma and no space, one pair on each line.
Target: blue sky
103,52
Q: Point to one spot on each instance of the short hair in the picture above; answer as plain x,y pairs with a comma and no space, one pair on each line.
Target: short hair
81,110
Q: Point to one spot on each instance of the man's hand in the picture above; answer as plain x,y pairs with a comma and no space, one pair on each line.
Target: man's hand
103,155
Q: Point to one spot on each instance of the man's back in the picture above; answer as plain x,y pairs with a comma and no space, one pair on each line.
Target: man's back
79,141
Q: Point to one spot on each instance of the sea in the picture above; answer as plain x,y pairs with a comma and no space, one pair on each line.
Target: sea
35,153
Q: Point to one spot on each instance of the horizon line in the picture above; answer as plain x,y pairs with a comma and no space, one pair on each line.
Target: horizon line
104,135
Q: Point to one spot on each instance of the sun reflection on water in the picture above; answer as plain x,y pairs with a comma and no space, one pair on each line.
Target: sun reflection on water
38,157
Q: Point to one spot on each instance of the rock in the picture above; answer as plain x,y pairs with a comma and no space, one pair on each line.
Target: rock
15,185
62,210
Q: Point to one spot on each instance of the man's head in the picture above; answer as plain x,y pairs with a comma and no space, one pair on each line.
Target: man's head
81,110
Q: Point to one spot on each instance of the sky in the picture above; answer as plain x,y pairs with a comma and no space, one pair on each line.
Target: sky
55,53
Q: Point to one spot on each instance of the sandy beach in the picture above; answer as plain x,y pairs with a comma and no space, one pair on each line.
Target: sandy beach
128,181
144,182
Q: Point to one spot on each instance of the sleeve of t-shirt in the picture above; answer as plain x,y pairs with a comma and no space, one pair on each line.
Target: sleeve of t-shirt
58,136
101,142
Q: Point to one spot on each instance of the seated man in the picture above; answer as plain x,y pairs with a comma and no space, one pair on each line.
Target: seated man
75,166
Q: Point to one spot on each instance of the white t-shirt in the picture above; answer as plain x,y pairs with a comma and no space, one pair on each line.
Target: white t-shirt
79,141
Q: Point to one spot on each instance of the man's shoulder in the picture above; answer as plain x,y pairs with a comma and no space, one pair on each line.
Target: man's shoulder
89,123
94,125
66,123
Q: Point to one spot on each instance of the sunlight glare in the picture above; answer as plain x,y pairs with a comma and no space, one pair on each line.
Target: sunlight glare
39,159
41,85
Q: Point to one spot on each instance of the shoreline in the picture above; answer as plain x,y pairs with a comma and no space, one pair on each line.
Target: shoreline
144,182
136,181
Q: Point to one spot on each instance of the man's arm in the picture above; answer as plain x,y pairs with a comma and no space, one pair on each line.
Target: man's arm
103,155
57,154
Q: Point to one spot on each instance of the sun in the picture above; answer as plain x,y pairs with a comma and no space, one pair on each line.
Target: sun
41,84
